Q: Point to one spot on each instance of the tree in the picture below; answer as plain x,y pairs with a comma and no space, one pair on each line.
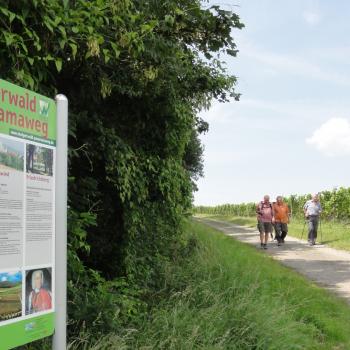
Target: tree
136,74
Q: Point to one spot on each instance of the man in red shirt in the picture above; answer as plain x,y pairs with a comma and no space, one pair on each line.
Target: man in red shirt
39,298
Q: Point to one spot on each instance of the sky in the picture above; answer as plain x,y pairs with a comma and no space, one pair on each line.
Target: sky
290,131
15,276
15,145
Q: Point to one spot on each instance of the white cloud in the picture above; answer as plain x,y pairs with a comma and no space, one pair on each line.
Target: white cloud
311,17
332,138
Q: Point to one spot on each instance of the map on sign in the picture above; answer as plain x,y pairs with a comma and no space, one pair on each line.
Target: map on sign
27,215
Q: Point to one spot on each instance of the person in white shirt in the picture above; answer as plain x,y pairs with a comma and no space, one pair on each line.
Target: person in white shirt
312,212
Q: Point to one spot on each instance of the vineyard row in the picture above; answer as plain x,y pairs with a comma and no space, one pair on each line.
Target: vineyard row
335,204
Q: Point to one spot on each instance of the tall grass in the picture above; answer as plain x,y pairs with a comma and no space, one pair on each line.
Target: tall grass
228,295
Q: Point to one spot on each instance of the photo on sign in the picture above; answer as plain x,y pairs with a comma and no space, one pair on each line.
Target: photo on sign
11,155
39,160
38,290
10,295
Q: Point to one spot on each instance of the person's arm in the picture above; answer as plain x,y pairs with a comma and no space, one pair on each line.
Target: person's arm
258,209
273,213
305,209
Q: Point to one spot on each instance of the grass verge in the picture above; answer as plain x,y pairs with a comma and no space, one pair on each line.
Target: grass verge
228,295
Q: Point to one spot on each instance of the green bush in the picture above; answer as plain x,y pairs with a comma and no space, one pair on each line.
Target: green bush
136,75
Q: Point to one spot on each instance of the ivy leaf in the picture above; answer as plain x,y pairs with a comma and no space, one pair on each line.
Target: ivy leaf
30,60
74,49
115,49
9,38
62,43
106,55
12,17
58,63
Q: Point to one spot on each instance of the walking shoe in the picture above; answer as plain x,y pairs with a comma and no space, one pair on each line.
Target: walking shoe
265,246
282,240
278,244
261,245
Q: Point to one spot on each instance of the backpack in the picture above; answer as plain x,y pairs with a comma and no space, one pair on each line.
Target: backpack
261,206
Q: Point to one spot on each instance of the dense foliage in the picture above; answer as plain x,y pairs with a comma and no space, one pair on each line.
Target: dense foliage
136,73
335,204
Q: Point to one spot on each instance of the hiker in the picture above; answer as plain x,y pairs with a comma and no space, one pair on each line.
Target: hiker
265,217
312,211
281,215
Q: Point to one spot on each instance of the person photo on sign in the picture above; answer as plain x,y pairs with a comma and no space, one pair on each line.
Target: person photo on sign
40,298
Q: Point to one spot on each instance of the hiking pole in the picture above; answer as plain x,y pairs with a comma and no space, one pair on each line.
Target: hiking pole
321,231
302,233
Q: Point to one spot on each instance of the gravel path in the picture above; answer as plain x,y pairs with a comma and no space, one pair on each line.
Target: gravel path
325,266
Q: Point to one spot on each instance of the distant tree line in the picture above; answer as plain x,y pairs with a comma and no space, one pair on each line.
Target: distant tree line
335,203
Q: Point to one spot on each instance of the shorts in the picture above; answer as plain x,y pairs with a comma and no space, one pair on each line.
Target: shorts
264,227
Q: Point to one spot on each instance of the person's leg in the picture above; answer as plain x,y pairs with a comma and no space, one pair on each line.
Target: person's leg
266,239
315,220
273,233
261,232
267,229
278,228
284,229
262,239
310,229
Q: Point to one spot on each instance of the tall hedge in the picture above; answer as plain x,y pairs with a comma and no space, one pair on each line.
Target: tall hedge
136,74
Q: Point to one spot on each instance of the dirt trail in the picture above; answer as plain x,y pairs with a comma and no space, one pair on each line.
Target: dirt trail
325,266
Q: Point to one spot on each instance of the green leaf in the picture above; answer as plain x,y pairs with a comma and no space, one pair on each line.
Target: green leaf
115,49
63,31
30,60
5,11
106,55
74,49
48,24
58,63
9,38
62,43
12,17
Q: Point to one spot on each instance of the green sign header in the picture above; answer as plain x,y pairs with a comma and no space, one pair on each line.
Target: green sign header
26,114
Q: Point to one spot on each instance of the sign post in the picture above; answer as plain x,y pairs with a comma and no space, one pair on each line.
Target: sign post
33,200
59,338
